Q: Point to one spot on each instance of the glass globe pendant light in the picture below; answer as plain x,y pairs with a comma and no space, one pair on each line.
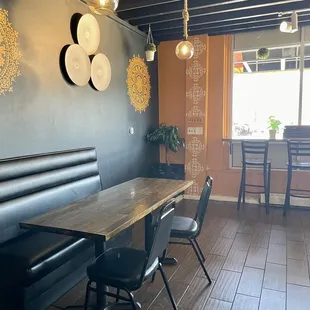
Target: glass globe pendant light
103,7
185,49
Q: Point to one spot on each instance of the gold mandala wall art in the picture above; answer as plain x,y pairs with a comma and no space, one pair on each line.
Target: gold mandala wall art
138,83
9,54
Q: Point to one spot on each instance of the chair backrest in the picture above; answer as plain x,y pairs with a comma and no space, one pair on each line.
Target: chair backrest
298,148
162,233
255,149
203,203
36,184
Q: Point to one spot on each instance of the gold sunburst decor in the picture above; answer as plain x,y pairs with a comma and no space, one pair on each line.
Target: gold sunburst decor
9,54
138,83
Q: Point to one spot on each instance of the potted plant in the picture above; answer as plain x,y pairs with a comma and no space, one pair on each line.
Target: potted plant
263,53
168,136
150,50
274,126
150,47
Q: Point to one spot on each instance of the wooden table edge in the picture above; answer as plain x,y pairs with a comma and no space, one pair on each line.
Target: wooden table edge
106,237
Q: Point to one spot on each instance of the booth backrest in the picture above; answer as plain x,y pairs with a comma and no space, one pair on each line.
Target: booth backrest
33,185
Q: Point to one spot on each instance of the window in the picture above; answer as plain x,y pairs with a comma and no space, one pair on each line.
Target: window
271,87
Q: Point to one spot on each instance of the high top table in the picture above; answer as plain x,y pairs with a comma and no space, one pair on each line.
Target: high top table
104,215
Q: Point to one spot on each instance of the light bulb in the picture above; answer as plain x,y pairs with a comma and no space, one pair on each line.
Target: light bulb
286,26
103,7
184,50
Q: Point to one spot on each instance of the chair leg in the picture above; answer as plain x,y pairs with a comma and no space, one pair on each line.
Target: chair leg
241,190
266,186
200,251
117,295
132,300
174,305
288,191
87,295
269,183
153,276
200,261
243,185
162,259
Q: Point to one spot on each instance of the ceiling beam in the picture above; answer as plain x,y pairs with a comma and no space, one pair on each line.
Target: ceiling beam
222,25
206,11
126,5
240,29
201,20
175,7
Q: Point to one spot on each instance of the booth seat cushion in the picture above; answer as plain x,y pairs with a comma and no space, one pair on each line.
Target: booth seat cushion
30,257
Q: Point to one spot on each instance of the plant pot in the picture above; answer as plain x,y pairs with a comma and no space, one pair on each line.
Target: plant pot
162,171
272,134
149,55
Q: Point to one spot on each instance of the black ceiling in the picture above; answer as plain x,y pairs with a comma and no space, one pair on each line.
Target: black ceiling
210,16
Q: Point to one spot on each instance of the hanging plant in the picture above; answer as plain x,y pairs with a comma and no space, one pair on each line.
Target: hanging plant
263,53
150,47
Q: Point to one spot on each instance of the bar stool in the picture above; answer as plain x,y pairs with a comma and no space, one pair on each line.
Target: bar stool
298,154
260,150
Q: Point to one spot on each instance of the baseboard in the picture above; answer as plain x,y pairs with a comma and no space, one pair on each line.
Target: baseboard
191,197
275,199
233,199
223,198
278,199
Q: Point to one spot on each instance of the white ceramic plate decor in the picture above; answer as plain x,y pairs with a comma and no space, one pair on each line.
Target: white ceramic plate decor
77,65
101,72
88,33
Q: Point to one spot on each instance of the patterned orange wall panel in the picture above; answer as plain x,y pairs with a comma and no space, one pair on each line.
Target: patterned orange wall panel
196,114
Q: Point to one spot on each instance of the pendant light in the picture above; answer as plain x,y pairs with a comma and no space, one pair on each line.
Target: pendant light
292,26
103,7
185,49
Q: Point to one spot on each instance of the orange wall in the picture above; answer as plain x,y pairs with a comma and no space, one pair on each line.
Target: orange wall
171,73
172,98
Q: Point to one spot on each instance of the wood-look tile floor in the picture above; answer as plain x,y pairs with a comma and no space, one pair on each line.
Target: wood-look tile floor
256,261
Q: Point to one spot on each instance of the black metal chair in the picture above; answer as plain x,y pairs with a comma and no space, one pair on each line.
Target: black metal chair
298,159
189,229
259,149
127,269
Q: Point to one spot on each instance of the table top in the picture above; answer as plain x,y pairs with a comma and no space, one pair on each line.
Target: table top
111,211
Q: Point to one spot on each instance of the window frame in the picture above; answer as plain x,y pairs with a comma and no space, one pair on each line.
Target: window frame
302,43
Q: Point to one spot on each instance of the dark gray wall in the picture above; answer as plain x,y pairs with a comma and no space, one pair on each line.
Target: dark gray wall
44,113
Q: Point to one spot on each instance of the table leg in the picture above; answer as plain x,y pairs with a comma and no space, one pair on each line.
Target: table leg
148,232
100,247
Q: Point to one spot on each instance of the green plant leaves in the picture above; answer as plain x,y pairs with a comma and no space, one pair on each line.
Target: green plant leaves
168,136
150,47
263,53
274,123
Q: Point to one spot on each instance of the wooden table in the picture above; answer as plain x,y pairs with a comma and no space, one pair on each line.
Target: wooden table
104,215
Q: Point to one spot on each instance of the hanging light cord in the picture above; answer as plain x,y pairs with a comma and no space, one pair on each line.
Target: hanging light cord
150,38
185,15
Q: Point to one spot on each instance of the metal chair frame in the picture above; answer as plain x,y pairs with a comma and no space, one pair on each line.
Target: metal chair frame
298,149
169,208
256,148
199,217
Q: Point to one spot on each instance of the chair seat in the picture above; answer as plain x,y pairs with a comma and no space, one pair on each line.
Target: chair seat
121,267
30,257
256,162
183,227
300,165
